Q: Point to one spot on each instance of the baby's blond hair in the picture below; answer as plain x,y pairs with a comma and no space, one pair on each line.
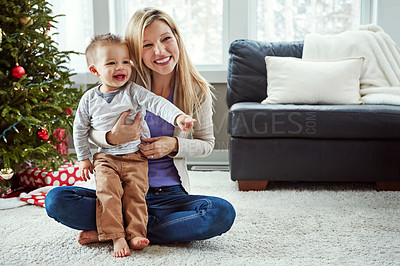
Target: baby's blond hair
99,40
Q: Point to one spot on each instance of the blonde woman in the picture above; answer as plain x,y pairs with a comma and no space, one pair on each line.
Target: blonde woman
162,65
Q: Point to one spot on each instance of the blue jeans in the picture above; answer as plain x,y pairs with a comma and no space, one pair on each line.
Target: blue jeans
174,216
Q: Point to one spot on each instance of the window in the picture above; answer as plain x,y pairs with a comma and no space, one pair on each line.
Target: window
200,25
75,29
209,26
292,19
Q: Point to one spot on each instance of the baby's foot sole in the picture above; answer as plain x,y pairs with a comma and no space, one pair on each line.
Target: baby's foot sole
138,243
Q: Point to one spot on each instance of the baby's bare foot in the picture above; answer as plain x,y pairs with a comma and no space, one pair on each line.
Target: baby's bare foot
138,243
121,248
87,237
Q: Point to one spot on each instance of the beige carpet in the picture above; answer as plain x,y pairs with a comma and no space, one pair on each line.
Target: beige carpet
290,224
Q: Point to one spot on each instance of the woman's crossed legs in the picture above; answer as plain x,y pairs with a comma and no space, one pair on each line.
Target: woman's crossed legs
174,216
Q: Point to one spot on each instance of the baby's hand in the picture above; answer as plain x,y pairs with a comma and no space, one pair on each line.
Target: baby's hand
185,122
85,166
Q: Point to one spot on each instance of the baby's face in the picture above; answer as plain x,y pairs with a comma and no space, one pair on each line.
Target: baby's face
113,66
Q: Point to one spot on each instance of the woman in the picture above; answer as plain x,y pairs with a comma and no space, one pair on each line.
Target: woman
162,66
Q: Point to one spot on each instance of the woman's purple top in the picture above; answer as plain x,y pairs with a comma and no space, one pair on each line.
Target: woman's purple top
162,171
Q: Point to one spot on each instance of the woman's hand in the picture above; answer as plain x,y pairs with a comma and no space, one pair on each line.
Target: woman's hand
159,147
122,132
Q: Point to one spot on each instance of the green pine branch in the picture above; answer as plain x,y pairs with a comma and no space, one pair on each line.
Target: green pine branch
43,97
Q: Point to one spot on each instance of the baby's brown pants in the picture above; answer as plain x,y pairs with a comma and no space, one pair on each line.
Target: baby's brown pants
121,209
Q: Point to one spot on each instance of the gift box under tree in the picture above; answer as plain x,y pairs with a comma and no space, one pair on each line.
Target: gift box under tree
66,175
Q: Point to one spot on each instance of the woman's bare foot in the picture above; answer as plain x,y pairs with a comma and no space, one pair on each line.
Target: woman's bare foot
138,243
87,237
121,248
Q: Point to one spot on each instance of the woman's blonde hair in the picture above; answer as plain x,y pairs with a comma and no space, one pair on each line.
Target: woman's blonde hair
187,78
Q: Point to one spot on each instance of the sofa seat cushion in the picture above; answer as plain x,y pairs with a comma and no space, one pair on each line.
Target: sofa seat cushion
256,120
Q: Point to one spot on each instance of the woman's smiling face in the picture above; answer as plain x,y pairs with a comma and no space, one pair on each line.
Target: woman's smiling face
160,48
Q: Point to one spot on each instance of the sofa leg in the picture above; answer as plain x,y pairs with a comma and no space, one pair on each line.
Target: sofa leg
245,185
388,186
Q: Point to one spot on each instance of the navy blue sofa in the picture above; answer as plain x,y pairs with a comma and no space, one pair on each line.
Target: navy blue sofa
359,143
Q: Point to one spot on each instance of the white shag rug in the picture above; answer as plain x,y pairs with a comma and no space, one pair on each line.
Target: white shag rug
289,224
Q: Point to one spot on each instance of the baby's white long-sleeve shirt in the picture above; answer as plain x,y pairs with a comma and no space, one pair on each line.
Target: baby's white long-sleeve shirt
95,112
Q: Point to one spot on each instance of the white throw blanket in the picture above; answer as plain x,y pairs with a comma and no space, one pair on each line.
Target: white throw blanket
380,75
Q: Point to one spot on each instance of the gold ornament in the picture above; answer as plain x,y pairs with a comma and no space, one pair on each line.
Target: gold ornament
6,173
25,20
1,35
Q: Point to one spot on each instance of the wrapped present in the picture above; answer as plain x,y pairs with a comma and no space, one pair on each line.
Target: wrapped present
66,175
35,198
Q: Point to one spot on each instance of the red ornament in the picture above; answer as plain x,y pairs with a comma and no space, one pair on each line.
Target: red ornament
68,111
43,133
17,72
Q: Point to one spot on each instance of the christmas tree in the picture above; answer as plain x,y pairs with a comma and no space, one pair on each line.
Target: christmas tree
37,95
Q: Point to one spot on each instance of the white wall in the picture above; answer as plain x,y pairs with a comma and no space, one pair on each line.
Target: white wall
388,17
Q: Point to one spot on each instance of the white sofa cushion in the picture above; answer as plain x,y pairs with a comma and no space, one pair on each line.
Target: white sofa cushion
299,81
